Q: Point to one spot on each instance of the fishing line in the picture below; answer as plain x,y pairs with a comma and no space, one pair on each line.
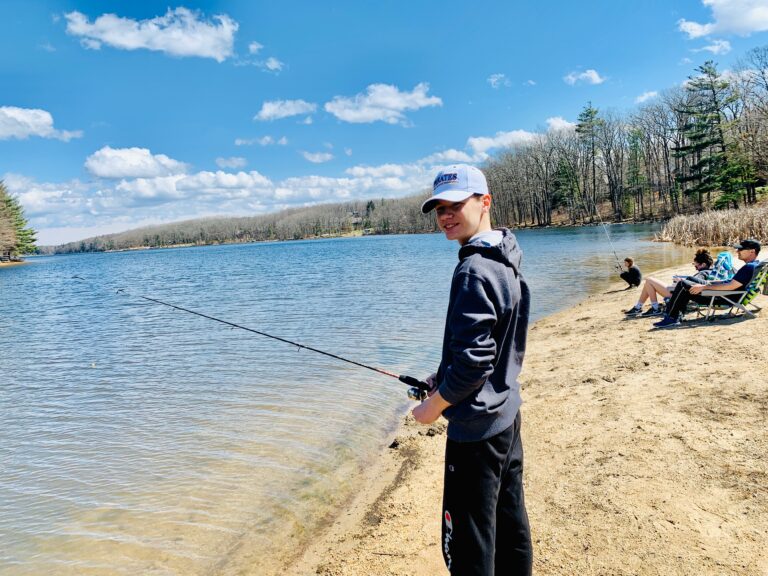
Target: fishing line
605,229
421,387
613,249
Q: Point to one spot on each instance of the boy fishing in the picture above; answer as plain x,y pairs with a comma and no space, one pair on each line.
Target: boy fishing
485,527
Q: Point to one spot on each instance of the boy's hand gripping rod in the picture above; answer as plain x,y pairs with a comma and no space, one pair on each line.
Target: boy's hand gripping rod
418,391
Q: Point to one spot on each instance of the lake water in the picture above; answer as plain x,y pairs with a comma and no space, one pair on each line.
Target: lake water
140,440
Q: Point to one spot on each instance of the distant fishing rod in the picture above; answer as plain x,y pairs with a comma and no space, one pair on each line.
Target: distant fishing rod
418,390
605,229
613,249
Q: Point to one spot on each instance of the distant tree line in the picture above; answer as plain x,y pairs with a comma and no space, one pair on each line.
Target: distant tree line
703,145
384,216
697,147
16,237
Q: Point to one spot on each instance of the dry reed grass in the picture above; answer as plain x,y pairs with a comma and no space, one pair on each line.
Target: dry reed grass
717,227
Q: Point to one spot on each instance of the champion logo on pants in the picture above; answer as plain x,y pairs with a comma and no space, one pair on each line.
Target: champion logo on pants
448,538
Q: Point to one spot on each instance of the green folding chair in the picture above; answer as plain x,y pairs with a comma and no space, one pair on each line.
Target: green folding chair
739,300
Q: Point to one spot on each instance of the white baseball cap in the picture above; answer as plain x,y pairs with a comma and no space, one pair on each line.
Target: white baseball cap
455,184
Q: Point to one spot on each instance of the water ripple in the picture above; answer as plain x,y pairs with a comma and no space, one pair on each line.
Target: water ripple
141,440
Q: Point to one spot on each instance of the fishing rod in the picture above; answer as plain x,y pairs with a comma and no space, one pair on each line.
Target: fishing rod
418,390
605,229
613,249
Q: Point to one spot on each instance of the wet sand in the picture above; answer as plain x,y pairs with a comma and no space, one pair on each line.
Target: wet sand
9,264
646,453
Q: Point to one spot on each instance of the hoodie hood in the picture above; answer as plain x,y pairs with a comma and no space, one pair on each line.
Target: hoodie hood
507,251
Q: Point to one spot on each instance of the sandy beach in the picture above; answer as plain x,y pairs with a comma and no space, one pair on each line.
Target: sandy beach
646,453
14,263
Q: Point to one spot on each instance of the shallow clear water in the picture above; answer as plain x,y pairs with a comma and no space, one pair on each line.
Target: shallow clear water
140,440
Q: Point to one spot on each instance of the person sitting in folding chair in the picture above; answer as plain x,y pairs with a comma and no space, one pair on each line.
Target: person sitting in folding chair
746,250
702,262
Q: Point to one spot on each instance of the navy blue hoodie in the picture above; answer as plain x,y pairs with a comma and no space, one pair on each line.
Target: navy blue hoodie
484,341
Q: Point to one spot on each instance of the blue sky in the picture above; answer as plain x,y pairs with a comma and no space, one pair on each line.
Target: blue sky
120,114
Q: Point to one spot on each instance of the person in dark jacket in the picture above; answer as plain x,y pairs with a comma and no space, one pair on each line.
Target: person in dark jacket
632,274
485,528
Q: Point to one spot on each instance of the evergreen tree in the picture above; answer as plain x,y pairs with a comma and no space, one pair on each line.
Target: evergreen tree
704,154
586,128
12,215
635,175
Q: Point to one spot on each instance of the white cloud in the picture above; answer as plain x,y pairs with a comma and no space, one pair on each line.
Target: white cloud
21,123
588,76
232,162
210,181
277,109
498,80
132,163
717,47
693,29
263,141
645,96
481,144
382,171
348,151
273,64
372,183
42,199
180,32
47,46
318,157
307,121
150,191
194,190
381,102
741,17
449,156
530,83
558,123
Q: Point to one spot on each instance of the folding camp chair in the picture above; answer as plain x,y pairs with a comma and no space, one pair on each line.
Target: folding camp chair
738,299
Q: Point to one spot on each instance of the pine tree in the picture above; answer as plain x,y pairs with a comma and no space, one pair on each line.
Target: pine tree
635,177
707,164
12,216
586,128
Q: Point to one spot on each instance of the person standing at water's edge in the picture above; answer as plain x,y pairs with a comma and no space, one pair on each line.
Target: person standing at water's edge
485,527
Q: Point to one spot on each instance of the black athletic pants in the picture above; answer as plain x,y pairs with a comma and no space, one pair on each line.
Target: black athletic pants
485,524
678,302
629,278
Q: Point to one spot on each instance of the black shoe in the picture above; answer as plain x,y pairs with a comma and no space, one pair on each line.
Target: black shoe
653,312
635,311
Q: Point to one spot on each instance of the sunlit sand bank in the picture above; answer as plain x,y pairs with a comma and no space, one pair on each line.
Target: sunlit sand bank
646,453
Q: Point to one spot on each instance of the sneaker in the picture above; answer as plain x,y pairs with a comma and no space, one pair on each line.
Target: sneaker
634,311
667,322
653,312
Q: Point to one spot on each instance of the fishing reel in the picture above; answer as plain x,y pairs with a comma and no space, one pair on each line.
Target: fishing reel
418,390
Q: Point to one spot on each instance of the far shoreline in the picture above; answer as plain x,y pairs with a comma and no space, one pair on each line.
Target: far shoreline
350,234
